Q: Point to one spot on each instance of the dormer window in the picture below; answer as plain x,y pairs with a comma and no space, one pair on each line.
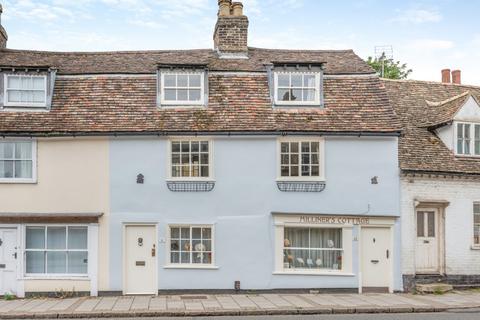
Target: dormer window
297,85
292,88
25,90
468,139
182,87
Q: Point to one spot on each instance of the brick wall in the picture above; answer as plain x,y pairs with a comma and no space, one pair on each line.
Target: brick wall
460,258
231,34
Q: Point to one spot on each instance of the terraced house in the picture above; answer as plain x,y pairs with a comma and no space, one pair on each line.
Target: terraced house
440,190
225,168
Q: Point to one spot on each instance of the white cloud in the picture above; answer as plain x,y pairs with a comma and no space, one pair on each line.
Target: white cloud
417,16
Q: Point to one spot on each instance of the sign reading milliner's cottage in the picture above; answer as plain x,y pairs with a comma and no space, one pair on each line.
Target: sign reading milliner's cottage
334,220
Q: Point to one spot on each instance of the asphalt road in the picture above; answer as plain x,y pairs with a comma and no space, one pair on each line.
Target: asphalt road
451,315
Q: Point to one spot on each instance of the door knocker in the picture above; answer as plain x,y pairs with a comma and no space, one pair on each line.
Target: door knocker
140,242
1,242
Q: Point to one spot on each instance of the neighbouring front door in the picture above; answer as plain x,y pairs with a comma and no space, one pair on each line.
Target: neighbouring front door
140,259
8,261
376,258
427,247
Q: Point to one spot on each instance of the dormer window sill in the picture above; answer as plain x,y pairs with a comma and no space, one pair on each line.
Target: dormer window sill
24,109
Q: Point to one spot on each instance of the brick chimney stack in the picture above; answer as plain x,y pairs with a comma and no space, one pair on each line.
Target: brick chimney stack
3,33
231,31
456,77
446,76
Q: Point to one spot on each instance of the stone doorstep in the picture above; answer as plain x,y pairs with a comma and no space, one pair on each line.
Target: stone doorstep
434,288
289,311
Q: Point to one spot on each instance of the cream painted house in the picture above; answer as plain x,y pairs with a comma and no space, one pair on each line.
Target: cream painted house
54,214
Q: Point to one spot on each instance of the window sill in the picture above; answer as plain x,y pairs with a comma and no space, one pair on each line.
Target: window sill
18,181
181,105
200,267
57,277
314,273
475,247
297,105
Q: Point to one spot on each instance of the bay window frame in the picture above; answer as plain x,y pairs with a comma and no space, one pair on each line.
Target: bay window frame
14,180
300,178
39,105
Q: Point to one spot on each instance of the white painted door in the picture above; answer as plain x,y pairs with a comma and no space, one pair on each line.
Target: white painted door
376,257
427,247
8,261
140,259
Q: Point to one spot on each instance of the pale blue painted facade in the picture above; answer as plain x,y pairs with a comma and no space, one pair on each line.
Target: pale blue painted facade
241,204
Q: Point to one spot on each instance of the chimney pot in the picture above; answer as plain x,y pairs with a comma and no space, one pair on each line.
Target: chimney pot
456,77
237,9
224,7
446,76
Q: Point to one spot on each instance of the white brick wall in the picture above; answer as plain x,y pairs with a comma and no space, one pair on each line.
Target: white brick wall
459,256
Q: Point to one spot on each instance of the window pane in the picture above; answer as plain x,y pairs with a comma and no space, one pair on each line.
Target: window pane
431,224
296,237
325,238
284,80
174,257
182,94
294,159
294,147
195,80
78,262
206,233
170,94
13,82
297,80
38,96
476,207
204,158
204,171
284,94
284,171
204,145
6,150
35,238
170,80
77,238
175,233
185,257
296,94
315,171
460,130
420,224
56,261
194,95
176,171
176,146
23,150
23,169
14,96
56,238
182,80
185,146
35,262
309,81
6,169
38,83
294,171
284,147
308,95
175,158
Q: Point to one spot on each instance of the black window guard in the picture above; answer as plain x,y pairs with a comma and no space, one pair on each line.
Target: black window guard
190,186
301,186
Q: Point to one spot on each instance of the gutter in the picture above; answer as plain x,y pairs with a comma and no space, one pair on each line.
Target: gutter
201,133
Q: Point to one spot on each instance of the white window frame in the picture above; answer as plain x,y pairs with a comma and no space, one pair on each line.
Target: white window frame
318,88
475,245
324,270
164,102
33,179
6,103
190,265
472,139
321,158
210,160
46,275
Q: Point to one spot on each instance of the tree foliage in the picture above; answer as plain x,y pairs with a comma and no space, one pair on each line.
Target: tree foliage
391,69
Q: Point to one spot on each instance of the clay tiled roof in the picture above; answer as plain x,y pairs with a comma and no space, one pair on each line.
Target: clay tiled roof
336,61
88,100
418,105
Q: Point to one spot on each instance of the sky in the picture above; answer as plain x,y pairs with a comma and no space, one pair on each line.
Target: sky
428,35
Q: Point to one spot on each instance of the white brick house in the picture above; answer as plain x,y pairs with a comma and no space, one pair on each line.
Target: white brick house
439,155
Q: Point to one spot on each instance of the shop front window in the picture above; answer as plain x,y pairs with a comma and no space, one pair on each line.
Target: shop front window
312,248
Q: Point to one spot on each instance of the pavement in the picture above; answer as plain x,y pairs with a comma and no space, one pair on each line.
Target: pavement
234,305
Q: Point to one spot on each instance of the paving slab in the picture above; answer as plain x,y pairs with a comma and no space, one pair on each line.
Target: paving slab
140,303
123,304
106,304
